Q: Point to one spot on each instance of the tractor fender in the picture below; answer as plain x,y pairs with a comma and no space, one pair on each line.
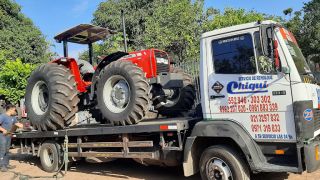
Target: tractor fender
72,65
107,60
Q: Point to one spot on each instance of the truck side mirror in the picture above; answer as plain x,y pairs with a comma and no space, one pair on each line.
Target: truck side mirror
270,45
266,40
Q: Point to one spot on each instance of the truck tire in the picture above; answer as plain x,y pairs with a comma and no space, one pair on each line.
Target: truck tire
50,157
182,100
51,97
221,162
122,93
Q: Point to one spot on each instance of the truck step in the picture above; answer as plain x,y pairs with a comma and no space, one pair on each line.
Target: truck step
277,168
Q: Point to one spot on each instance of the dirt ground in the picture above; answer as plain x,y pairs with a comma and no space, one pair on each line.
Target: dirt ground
122,169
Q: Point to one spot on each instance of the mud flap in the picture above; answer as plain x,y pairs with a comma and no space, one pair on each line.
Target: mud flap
312,156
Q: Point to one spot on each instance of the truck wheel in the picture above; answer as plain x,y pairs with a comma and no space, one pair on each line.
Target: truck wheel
123,93
221,162
50,157
51,97
182,100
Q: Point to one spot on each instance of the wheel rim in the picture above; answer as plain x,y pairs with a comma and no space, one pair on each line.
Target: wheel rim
217,169
48,157
116,94
174,98
40,97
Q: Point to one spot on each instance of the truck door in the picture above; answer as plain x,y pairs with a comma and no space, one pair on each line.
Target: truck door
245,87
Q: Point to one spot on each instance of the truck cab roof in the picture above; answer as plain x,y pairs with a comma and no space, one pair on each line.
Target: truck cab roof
84,34
236,28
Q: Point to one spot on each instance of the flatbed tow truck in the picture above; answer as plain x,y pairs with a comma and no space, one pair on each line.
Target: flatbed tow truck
260,113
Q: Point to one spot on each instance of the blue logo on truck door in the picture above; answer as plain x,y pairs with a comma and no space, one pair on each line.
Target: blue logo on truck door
308,115
235,87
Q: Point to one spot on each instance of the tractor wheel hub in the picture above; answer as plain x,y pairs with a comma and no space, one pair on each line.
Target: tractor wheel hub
40,97
116,94
120,93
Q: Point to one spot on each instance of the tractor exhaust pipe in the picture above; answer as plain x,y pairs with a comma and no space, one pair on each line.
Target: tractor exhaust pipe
124,32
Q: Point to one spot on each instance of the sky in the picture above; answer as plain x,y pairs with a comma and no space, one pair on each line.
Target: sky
54,16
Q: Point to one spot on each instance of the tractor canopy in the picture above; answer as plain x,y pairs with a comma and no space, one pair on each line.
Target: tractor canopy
84,34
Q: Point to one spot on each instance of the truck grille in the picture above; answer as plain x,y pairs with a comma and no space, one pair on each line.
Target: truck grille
161,67
316,119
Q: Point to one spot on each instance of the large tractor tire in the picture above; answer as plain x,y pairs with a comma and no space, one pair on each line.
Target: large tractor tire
182,100
51,97
123,93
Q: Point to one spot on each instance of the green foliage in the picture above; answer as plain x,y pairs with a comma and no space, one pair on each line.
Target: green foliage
112,44
108,14
171,25
175,27
294,25
232,17
305,25
287,11
310,27
13,79
19,36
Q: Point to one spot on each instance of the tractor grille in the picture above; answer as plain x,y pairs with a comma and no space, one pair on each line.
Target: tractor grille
161,67
316,119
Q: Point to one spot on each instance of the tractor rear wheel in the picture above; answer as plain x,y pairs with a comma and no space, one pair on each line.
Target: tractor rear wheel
123,93
183,98
51,97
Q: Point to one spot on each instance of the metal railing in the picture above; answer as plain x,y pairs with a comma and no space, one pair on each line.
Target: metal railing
193,69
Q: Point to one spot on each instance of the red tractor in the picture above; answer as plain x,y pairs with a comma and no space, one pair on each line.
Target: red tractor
120,90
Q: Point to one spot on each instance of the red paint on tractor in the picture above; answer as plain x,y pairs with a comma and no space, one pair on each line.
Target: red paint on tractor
72,64
147,60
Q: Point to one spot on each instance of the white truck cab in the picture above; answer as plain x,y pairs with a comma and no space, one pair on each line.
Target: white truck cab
255,81
257,94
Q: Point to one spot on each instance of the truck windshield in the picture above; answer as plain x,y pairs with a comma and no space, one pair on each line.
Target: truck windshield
295,51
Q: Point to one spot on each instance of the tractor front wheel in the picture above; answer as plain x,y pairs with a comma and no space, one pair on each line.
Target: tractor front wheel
123,93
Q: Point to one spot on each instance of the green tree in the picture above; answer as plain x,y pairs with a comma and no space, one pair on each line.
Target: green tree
19,36
175,26
231,16
310,28
295,24
305,25
13,79
171,25
108,15
288,11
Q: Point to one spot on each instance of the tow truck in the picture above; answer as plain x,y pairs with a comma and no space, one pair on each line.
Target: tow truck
259,113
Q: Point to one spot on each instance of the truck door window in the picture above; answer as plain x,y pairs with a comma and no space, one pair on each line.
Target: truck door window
265,64
234,55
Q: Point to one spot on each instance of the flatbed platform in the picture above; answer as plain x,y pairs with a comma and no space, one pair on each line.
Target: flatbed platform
145,126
